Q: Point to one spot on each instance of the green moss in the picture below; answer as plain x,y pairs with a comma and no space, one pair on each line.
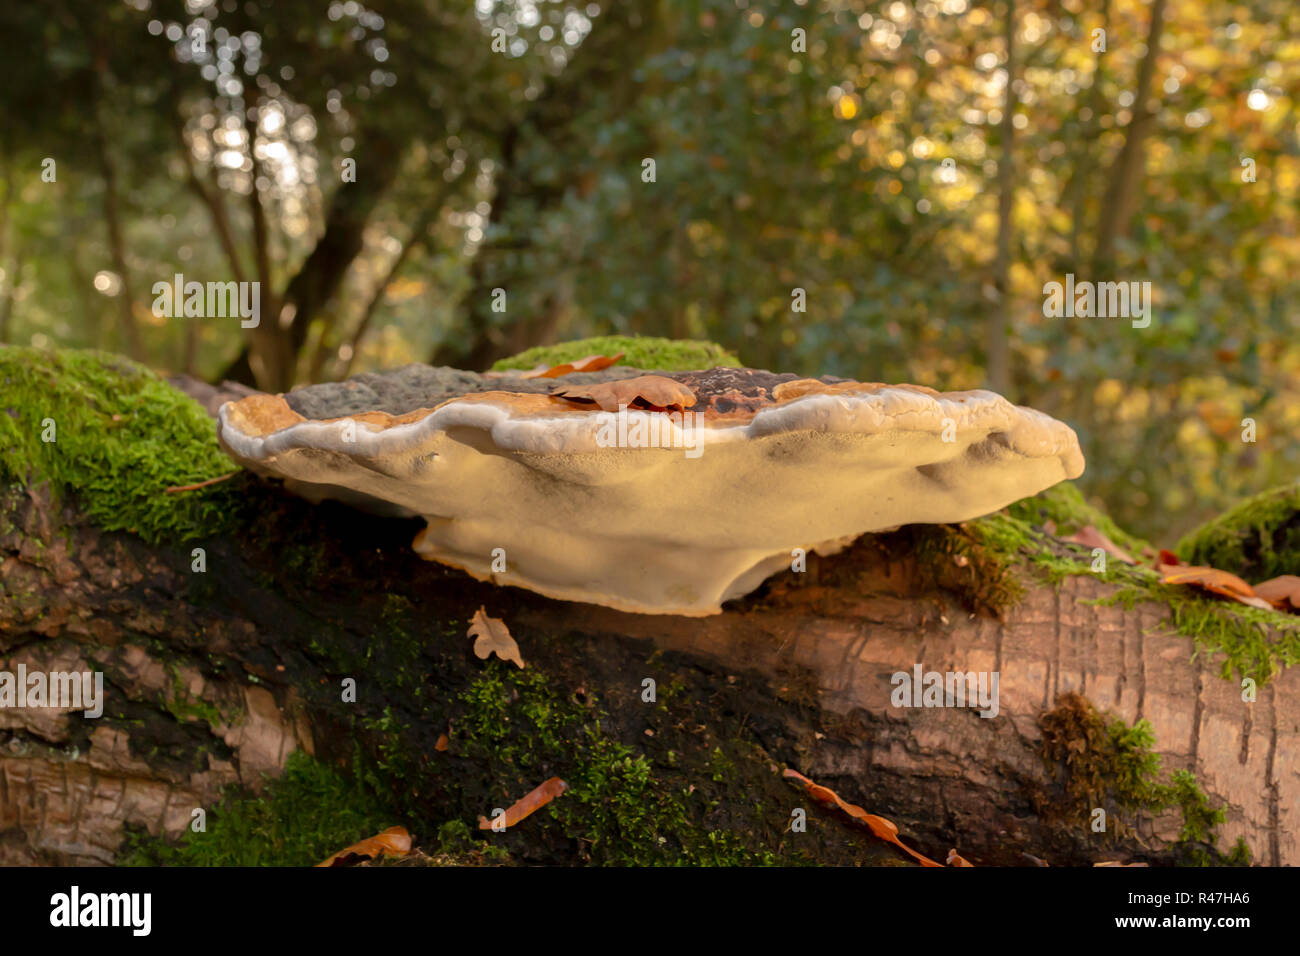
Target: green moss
299,819
666,355
120,436
1257,540
1064,505
983,561
1254,642
184,708
615,807
1108,764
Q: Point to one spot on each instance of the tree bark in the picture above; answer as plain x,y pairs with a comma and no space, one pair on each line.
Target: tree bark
215,677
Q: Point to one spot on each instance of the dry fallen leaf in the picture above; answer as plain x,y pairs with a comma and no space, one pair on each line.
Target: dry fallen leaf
1212,580
1090,537
592,363
442,743
1283,592
882,828
493,637
653,392
955,860
534,801
394,841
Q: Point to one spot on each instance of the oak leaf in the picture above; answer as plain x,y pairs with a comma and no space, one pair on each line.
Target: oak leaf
539,797
882,828
493,637
1283,592
1213,580
1090,537
591,363
654,392
394,841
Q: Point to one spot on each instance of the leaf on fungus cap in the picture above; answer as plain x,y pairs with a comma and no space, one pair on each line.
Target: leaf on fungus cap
590,363
652,392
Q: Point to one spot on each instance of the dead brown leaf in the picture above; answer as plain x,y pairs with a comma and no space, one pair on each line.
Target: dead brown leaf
1213,580
394,841
591,363
535,800
493,637
882,828
1090,537
1283,592
653,392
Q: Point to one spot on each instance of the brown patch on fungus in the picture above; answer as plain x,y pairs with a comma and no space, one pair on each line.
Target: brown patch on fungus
261,414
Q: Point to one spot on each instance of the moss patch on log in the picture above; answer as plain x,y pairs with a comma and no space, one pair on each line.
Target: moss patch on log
1257,539
1064,505
114,435
992,551
1105,764
299,819
664,355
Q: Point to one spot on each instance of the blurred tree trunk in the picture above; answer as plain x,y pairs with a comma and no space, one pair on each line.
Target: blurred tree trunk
419,235
1075,194
13,271
270,354
116,242
603,66
1118,204
999,357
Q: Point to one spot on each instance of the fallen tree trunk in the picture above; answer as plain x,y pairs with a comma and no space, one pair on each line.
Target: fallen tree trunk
215,675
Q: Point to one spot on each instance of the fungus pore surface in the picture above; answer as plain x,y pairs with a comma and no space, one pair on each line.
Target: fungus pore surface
656,508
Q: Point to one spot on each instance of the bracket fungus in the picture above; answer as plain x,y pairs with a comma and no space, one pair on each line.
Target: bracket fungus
666,493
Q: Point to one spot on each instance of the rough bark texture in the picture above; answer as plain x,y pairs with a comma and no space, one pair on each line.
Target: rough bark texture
214,678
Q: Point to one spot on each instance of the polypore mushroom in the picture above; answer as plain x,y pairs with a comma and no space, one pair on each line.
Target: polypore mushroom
697,488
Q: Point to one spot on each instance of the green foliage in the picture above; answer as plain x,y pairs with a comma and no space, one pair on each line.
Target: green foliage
1257,539
668,355
122,436
1108,764
299,819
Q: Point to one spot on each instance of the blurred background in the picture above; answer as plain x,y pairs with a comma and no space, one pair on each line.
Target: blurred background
919,168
